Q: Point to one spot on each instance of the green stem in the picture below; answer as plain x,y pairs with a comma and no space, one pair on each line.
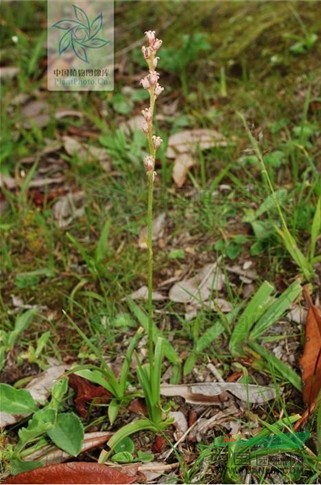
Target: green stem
150,176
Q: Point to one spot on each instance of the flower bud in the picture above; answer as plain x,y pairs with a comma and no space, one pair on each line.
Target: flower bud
147,114
158,89
155,60
156,44
146,52
145,82
149,163
145,127
157,141
150,34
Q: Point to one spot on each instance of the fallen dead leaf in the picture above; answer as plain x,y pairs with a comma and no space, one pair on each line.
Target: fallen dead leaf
311,359
85,393
142,294
183,162
8,72
73,472
64,113
39,388
212,393
87,152
68,207
158,230
199,288
190,140
183,147
50,454
180,423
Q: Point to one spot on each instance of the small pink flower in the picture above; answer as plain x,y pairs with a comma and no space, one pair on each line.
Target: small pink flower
145,127
158,89
157,141
145,82
147,114
153,78
146,52
156,44
149,163
150,34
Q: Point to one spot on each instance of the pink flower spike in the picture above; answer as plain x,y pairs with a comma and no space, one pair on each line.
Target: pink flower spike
157,141
145,82
158,89
147,114
150,34
149,163
156,44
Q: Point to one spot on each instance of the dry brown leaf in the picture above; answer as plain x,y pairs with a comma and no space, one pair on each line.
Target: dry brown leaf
87,152
158,230
50,454
188,141
8,72
63,113
199,288
142,294
74,472
40,388
183,147
68,207
85,393
183,162
212,393
311,359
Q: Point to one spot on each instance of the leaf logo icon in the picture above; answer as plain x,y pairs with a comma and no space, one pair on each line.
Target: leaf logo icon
80,34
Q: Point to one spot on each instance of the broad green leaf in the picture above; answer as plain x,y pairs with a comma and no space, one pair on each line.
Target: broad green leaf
253,311
276,310
68,433
113,410
40,423
22,323
20,466
16,401
97,377
126,445
123,457
58,391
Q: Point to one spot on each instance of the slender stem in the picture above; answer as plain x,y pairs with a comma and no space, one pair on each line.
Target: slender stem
150,176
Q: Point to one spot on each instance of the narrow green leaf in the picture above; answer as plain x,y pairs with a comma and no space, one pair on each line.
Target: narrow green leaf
296,254
102,248
209,336
189,364
98,377
276,309
169,351
16,401
256,307
315,229
67,433
129,429
277,365
40,423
